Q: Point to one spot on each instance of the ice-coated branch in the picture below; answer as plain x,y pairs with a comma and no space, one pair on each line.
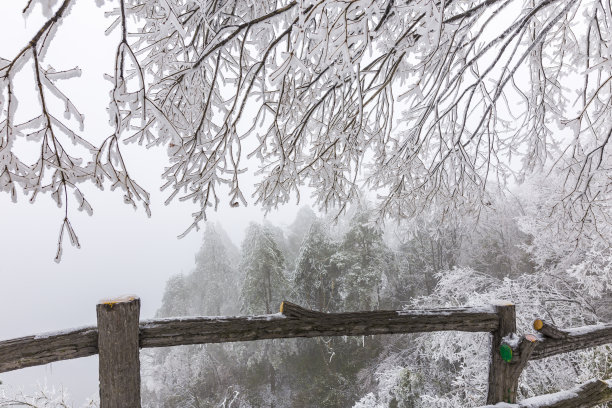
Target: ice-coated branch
423,102
124,107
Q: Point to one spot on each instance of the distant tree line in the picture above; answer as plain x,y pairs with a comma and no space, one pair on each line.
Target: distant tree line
437,260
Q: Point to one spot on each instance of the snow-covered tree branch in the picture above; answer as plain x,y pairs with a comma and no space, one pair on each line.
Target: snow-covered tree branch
422,101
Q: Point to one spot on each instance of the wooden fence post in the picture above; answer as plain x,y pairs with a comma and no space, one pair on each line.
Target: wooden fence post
501,382
119,366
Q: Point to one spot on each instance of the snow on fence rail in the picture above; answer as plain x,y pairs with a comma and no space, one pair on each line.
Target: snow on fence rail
575,339
47,348
591,393
294,321
119,334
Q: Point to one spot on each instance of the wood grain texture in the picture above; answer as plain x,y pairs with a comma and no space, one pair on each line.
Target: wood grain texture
577,339
119,366
502,387
549,330
198,330
294,322
587,395
515,367
47,348
289,309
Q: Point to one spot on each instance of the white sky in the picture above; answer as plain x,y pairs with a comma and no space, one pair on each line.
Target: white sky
122,251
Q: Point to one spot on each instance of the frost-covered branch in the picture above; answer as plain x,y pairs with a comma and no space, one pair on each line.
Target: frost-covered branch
125,106
424,102
56,170
42,398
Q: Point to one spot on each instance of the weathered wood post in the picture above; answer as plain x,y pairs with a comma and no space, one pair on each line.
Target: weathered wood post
501,387
119,366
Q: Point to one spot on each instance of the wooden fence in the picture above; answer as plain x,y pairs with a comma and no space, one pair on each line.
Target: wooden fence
119,335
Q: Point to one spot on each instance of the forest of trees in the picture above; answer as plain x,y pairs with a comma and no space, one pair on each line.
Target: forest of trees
357,264
480,131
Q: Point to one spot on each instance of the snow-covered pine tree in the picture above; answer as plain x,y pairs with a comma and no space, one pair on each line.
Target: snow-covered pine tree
210,289
317,277
181,376
297,231
363,260
175,301
263,265
215,282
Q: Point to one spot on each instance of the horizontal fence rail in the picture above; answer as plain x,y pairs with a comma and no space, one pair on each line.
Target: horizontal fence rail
295,321
576,339
48,348
589,394
119,335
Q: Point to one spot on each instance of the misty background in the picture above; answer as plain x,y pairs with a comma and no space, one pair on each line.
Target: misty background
449,259
122,251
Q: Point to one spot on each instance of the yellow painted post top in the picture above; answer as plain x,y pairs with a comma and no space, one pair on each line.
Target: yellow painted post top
119,299
538,324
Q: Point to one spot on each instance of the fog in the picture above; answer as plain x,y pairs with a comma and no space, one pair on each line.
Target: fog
122,251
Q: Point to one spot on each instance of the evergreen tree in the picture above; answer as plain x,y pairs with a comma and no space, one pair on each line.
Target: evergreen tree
264,287
362,259
212,285
231,250
317,277
262,263
174,302
297,231
182,375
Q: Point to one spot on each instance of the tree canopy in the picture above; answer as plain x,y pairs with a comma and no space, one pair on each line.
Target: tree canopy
425,101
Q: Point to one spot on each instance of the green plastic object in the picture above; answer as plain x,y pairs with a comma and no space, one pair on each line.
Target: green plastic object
506,352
